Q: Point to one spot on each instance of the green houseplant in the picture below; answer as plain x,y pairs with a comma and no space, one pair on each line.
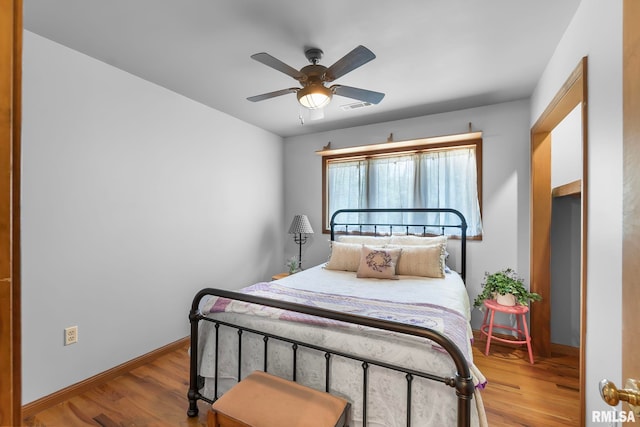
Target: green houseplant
505,282
292,265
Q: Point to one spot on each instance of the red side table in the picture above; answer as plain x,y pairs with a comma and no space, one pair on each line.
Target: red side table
522,330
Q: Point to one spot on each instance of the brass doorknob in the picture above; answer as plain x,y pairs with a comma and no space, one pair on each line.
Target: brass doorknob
613,396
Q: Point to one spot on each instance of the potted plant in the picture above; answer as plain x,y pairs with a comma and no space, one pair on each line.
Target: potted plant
502,283
292,265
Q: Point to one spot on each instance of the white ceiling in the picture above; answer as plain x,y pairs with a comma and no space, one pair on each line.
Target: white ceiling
432,55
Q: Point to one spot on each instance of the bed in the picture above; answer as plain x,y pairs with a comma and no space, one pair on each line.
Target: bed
395,342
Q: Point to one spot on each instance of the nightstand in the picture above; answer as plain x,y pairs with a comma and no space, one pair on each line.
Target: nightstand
279,276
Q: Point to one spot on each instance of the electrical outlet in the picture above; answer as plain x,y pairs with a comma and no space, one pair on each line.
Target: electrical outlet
70,335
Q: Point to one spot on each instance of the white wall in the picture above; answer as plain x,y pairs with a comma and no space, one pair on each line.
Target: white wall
506,149
133,199
596,32
566,149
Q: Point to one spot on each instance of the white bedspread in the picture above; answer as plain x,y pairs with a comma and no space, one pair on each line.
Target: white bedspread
434,404
449,292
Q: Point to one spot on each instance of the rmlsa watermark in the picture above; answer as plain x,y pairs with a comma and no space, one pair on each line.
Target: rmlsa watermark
613,416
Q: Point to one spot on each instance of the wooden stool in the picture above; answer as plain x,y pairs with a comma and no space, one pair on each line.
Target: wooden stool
522,330
264,400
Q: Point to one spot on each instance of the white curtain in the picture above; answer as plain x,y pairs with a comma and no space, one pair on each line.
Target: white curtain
347,188
434,179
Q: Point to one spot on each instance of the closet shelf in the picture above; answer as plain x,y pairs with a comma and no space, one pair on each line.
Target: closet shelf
571,189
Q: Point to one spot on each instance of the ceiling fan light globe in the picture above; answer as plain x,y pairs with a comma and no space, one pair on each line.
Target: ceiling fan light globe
314,96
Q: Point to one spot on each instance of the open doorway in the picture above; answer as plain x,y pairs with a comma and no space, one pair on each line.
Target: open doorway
572,95
566,233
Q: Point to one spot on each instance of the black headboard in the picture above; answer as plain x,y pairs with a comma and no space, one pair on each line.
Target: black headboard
411,221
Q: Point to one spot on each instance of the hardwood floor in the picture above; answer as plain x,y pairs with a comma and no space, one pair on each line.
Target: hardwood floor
518,394
150,395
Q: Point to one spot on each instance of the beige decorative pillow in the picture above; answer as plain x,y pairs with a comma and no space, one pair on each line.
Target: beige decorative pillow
344,256
424,261
365,240
411,240
378,263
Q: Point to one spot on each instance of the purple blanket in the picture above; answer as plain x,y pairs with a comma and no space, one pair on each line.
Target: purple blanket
448,322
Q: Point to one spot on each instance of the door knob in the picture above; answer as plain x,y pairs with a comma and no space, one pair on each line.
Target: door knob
612,396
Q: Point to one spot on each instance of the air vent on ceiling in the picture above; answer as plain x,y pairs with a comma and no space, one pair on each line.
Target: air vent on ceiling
355,105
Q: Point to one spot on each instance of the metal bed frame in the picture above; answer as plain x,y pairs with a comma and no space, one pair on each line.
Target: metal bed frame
462,381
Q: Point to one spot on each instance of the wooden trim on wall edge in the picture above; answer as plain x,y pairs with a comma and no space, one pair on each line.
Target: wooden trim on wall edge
585,237
572,92
10,119
16,176
31,409
631,188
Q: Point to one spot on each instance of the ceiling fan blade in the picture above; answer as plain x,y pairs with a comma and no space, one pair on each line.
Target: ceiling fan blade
352,60
272,94
276,64
359,94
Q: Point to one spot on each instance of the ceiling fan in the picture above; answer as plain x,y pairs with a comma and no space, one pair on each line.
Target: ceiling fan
314,94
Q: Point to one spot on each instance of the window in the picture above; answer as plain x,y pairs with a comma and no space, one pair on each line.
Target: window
407,175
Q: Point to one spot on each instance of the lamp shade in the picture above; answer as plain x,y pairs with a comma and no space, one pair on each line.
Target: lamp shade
314,96
300,225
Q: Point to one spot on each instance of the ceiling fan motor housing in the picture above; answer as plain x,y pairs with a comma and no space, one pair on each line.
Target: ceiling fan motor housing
314,55
314,94
312,74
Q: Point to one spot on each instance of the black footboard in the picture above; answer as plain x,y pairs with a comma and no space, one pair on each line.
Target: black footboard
462,382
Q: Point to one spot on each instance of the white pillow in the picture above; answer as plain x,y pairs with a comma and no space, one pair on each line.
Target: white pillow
365,240
378,263
344,256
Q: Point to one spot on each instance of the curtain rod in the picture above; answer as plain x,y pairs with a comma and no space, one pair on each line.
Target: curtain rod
326,151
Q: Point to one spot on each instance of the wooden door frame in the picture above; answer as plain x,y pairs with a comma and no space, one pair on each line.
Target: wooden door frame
572,93
631,188
10,123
